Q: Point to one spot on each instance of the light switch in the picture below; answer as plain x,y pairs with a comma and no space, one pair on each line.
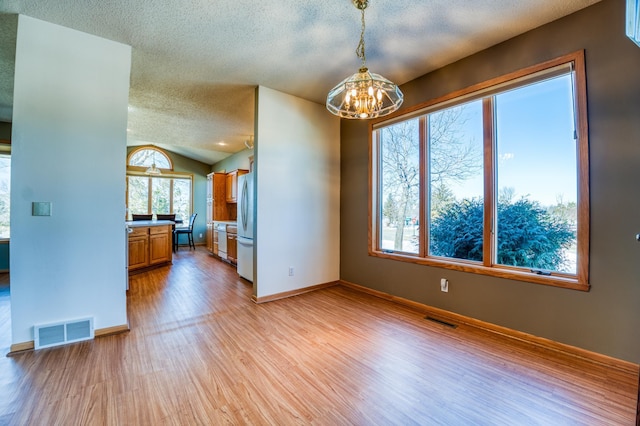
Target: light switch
41,208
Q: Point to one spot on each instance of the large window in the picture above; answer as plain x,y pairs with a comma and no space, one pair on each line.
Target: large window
167,193
492,180
5,195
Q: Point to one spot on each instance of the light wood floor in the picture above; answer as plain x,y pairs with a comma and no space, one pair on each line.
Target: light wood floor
200,352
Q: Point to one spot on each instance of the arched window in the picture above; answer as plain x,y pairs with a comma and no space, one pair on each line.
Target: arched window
163,192
146,157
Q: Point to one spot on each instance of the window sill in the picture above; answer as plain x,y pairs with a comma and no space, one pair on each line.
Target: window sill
511,274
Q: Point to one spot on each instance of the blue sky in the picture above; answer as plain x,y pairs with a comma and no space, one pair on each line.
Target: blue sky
536,150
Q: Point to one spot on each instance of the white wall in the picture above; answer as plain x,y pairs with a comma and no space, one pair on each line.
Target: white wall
298,194
68,147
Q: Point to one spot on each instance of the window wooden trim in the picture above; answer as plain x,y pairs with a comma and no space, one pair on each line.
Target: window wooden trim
577,281
140,171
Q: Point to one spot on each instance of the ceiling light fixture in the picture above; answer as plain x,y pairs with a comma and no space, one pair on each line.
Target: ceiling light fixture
249,143
365,94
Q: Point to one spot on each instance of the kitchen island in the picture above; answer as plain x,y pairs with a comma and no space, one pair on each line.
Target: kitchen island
150,244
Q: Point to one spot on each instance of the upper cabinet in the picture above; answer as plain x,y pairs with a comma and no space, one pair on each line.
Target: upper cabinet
217,208
232,185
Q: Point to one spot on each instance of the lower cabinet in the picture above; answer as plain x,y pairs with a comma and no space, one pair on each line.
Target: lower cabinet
232,244
209,237
138,248
149,246
159,244
215,241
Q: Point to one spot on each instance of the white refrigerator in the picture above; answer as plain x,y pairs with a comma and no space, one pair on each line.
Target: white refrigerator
245,226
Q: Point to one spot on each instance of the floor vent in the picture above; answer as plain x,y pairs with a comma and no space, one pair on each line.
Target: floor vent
439,321
61,333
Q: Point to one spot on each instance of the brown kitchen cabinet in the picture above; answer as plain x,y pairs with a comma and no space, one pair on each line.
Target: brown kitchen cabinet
209,237
138,248
217,207
232,244
222,197
160,244
149,246
231,188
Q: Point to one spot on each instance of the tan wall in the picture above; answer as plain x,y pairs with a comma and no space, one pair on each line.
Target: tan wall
604,320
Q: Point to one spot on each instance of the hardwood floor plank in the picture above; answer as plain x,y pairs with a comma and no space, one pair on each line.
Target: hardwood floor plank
201,352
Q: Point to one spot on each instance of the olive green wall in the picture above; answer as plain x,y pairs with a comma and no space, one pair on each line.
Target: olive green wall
5,131
239,160
606,319
199,171
4,256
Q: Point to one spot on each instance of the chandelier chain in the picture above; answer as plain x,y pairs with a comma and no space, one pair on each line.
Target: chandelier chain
360,48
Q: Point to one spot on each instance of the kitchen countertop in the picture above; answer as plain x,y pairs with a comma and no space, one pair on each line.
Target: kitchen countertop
141,223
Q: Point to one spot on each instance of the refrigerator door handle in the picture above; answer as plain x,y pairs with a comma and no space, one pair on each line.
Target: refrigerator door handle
244,241
244,205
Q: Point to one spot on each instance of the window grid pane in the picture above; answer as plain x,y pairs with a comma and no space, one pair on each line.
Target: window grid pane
138,194
456,190
182,198
400,187
160,196
537,177
147,157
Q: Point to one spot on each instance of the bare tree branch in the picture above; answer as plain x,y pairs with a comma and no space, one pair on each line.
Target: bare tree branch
453,157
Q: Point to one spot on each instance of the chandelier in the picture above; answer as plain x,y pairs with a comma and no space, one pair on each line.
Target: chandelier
153,170
364,94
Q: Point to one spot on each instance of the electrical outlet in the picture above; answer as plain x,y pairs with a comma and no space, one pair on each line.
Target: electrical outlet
444,285
290,271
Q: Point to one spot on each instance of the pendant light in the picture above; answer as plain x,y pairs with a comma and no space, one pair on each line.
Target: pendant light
153,170
364,94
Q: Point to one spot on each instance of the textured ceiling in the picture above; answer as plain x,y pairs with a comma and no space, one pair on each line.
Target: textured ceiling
196,63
